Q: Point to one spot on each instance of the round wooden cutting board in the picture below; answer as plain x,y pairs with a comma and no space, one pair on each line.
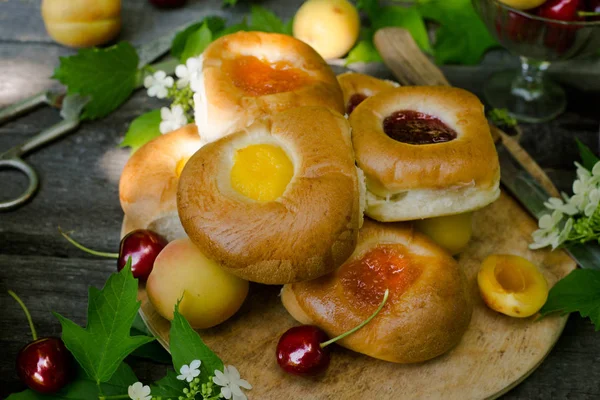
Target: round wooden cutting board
496,353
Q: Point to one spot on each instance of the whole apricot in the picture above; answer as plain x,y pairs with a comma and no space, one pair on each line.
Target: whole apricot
451,232
209,295
330,27
82,23
512,285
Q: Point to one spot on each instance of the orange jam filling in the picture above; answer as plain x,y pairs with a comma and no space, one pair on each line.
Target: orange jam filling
258,77
383,267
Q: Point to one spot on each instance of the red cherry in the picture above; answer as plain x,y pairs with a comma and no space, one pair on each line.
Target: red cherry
299,351
562,10
45,365
167,3
142,246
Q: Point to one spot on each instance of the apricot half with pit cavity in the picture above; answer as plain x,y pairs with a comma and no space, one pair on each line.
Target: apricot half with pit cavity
512,285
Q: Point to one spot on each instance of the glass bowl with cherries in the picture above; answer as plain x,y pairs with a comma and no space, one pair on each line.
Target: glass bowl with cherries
540,32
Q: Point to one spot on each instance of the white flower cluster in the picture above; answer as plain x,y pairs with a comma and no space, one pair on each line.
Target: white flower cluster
229,380
554,229
161,86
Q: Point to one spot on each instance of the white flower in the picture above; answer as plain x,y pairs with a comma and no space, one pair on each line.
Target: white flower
189,372
554,203
137,391
549,233
230,383
157,84
185,72
593,200
172,118
596,169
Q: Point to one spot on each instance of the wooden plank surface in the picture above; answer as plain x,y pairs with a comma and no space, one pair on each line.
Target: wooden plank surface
79,189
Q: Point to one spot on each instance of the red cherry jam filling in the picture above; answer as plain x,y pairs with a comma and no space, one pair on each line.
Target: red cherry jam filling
415,127
383,267
354,101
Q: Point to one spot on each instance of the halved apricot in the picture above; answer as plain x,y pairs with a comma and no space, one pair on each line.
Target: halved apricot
512,285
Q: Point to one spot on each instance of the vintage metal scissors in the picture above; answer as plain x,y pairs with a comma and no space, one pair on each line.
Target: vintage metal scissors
71,107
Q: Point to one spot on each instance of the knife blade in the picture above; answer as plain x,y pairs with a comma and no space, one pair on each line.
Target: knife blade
532,196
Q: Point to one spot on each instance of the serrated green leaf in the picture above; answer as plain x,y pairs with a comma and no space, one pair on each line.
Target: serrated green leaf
215,24
578,291
242,26
264,20
588,158
83,388
186,346
168,387
462,37
364,51
408,18
105,342
197,42
107,75
142,130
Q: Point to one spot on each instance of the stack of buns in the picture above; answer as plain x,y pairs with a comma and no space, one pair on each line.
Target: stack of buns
271,187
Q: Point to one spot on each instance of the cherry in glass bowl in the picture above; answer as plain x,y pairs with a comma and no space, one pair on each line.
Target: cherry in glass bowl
528,94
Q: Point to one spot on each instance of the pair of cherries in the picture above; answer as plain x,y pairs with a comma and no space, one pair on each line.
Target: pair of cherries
45,364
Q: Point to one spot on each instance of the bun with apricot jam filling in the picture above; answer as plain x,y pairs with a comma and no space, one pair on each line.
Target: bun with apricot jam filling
248,75
428,309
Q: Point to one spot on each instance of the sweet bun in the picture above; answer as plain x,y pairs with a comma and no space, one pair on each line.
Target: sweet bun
148,185
278,201
441,161
357,87
428,309
248,75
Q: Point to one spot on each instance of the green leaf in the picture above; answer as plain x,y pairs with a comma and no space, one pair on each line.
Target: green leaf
187,346
153,351
264,20
142,130
107,75
408,18
578,291
215,24
103,345
197,42
462,37
288,27
229,3
370,7
242,26
588,158
168,387
364,51
84,388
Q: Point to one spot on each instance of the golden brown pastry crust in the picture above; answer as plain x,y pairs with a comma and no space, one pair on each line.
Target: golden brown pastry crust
307,232
427,180
355,83
223,108
148,185
423,322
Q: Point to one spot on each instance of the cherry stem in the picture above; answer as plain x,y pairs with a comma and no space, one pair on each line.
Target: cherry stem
87,250
588,13
26,311
366,321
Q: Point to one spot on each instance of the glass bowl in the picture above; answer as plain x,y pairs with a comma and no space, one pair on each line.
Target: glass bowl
527,94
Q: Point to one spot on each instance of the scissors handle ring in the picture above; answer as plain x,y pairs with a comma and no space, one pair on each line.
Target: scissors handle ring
20,165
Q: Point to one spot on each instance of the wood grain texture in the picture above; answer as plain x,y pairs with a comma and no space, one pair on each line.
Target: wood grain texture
79,189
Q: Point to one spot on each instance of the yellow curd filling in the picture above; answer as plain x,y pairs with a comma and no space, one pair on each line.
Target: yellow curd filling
261,172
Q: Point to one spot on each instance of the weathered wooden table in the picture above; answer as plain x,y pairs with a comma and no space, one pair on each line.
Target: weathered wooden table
80,176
